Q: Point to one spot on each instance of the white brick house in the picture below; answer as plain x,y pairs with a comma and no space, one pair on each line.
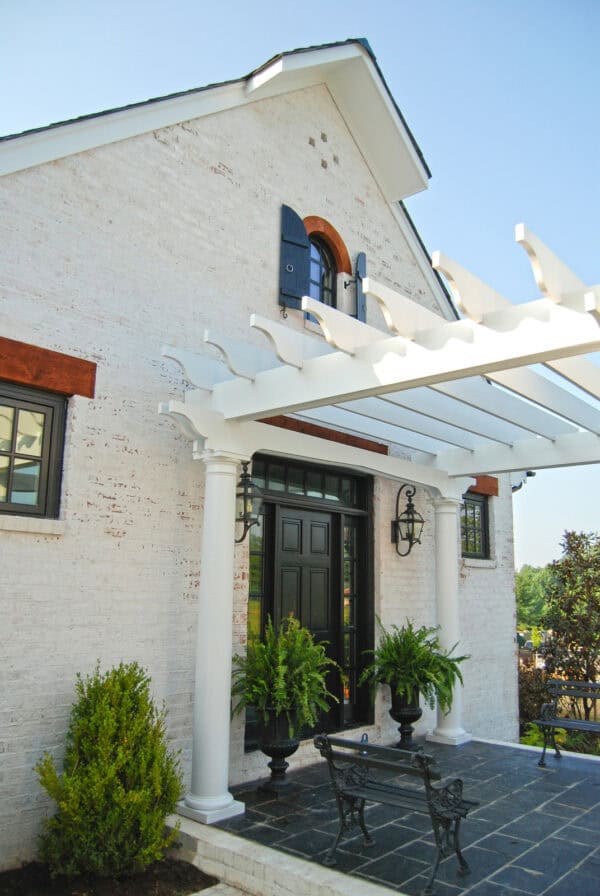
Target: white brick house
140,228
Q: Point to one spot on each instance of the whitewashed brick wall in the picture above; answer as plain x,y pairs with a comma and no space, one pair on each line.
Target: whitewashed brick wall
107,255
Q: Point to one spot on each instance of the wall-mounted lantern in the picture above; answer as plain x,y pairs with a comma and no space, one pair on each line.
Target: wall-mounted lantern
408,525
248,502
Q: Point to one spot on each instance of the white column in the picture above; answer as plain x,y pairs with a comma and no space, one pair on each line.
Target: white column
209,799
449,729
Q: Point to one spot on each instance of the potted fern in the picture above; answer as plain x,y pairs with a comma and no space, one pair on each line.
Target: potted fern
283,676
413,663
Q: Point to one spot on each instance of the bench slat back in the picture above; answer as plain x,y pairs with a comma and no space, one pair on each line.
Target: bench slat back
588,689
371,762
365,755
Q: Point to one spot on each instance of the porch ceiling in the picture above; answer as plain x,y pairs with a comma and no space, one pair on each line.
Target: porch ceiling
461,398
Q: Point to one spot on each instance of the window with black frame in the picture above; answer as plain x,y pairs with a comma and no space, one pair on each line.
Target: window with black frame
474,526
322,272
32,425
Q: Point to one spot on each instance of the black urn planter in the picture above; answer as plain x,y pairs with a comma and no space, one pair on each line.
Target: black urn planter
405,711
276,743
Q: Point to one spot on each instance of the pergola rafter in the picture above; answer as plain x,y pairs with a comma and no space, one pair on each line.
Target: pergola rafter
429,387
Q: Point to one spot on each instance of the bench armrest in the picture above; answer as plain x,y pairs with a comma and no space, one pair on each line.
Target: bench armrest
447,797
548,711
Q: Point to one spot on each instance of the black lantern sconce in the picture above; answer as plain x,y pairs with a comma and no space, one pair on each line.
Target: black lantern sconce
408,525
248,502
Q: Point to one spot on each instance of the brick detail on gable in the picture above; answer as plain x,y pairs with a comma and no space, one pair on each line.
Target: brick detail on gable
29,365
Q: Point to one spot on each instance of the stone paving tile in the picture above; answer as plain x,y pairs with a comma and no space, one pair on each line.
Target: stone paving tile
387,839
500,815
574,884
591,867
590,820
530,882
561,810
419,849
509,847
377,815
576,834
415,821
392,868
416,885
585,794
346,861
265,834
533,826
553,857
306,844
294,823
488,888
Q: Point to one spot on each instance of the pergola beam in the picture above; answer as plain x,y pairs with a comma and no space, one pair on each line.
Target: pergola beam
395,363
212,430
567,451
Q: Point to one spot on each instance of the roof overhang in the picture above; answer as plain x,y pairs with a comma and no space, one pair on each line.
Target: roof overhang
348,70
365,103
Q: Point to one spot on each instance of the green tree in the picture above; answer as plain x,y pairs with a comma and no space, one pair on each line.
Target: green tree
531,588
119,780
573,610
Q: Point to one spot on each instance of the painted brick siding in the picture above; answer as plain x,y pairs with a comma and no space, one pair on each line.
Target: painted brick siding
107,255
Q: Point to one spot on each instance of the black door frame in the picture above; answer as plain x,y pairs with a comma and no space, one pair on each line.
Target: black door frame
364,622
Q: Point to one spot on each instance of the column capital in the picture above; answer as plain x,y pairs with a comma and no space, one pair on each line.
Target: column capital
446,505
215,458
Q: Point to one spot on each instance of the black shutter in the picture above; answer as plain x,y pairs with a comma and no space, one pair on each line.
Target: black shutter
361,299
295,259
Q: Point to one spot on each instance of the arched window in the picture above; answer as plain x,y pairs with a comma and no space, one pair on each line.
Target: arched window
323,272
312,257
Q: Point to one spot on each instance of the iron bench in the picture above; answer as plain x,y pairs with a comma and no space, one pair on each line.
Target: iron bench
362,772
576,692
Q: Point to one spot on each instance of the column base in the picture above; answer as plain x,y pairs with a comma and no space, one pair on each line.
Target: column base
452,738
211,816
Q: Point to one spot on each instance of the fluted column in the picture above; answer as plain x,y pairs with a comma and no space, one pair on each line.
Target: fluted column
209,799
449,728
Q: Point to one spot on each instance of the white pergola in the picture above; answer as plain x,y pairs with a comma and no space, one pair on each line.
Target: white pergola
452,399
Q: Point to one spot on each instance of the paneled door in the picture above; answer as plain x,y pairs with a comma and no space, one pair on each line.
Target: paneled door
306,580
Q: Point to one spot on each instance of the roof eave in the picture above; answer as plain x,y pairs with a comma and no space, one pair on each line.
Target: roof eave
348,70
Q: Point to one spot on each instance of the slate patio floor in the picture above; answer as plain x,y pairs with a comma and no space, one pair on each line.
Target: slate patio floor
535,833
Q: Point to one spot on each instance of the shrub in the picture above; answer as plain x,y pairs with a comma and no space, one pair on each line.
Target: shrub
119,780
532,693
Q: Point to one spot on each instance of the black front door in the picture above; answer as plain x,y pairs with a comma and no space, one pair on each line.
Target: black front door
306,578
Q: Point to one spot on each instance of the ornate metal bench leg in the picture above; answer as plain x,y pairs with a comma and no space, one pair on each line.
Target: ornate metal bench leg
330,858
428,889
542,762
368,840
464,865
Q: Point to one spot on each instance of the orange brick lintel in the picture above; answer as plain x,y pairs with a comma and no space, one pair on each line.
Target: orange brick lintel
485,485
321,432
41,368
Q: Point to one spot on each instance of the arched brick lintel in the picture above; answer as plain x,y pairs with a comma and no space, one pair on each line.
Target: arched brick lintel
322,228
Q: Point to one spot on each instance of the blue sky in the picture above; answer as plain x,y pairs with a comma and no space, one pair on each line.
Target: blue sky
501,95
